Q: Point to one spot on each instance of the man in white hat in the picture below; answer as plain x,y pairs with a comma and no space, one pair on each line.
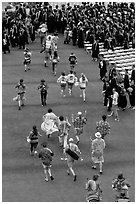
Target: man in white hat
98,146
70,161
79,123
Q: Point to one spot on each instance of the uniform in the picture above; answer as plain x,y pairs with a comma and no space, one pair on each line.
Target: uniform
27,59
63,81
83,81
71,79
55,60
21,89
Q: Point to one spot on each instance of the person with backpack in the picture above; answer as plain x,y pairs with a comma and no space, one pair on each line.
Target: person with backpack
33,139
43,87
120,185
72,152
46,155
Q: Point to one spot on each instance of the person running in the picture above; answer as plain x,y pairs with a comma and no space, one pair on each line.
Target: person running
98,146
73,61
33,139
79,123
50,123
94,192
63,81
64,127
71,79
27,59
43,87
83,82
103,126
21,90
70,160
54,60
120,185
114,104
46,155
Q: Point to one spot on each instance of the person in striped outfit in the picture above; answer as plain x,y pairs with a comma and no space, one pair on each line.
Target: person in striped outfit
64,127
79,123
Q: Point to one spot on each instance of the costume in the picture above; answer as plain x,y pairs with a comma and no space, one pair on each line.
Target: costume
49,125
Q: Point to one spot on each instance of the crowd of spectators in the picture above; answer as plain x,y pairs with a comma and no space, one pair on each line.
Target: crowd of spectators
112,23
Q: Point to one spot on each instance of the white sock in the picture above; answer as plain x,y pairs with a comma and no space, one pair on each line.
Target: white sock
49,171
72,171
77,138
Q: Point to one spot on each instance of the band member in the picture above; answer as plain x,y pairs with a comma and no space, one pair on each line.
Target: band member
83,82
103,126
63,81
50,123
93,189
98,146
71,79
33,139
64,127
79,123
43,87
72,61
70,160
27,59
46,155
21,90
54,61
102,67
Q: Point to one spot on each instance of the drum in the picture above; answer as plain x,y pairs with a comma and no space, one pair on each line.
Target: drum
72,154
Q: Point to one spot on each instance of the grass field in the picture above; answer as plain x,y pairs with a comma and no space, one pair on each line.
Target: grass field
22,175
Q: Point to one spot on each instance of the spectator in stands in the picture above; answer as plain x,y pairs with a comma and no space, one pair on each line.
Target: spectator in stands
107,92
133,73
95,50
102,67
122,99
126,80
131,92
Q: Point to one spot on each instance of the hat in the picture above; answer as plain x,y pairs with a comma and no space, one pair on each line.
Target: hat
71,140
98,135
21,80
42,80
79,113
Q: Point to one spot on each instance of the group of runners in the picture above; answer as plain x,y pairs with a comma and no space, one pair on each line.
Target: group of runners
52,123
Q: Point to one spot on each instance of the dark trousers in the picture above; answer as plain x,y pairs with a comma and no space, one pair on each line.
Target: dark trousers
43,98
108,99
33,146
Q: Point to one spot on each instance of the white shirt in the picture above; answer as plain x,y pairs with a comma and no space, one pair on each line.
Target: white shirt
50,116
115,98
71,78
62,79
82,83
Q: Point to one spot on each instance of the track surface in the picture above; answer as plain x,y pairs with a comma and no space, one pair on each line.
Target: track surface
23,179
